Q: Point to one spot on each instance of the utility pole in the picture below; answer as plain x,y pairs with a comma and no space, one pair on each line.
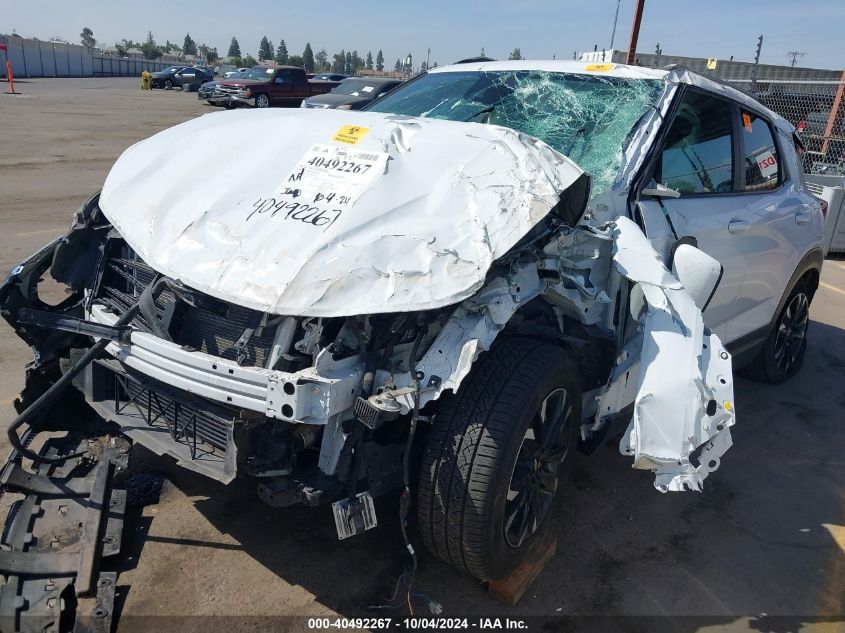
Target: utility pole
756,62
795,55
615,18
428,59
635,32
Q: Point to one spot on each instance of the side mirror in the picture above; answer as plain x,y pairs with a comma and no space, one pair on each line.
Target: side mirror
699,273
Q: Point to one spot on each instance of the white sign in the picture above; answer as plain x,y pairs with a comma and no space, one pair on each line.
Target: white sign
326,182
767,163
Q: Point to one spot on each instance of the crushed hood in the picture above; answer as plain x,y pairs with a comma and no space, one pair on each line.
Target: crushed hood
328,213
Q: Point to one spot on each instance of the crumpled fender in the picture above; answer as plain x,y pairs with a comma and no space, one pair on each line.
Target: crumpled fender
677,372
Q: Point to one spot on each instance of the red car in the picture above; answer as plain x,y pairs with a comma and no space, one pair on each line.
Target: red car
265,86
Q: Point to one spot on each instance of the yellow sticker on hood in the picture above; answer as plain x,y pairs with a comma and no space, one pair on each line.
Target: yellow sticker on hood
350,134
599,68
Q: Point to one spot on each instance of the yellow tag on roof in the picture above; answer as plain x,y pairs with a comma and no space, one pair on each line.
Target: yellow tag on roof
350,134
599,68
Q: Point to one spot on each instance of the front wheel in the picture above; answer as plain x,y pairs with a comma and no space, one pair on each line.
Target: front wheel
168,84
495,455
783,353
261,101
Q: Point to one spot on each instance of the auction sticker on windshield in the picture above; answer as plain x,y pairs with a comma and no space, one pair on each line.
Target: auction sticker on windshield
326,182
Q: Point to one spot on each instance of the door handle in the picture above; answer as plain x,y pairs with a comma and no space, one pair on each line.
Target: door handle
802,218
737,226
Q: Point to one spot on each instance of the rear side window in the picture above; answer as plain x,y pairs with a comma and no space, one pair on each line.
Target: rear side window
698,155
761,161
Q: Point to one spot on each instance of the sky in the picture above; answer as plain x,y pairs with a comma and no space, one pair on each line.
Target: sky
456,29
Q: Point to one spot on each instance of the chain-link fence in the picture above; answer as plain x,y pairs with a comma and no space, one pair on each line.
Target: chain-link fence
817,110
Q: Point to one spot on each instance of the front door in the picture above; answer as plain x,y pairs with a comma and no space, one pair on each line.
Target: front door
698,161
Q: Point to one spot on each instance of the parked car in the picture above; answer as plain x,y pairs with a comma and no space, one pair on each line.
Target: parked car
265,86
447,293
206,90
164,78
229,73
329,77
352,94
187,78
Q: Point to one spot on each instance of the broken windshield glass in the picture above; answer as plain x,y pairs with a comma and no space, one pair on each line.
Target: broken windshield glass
586,117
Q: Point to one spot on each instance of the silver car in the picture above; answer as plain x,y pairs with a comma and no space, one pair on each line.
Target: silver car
447,293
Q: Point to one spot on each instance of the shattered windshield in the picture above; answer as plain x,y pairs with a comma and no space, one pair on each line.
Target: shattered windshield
586,117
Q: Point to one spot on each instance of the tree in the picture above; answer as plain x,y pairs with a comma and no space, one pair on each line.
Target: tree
248,61
308,58
398,67
483,54
281,53
234,48
369,62
189,46
339,62
265,49
515,54
209,54
149,47
296,60
380,61
347,66
423,67
87,36
408,68
322,60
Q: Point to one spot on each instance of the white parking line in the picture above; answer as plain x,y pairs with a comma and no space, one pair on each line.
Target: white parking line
27,233
834,288
834,263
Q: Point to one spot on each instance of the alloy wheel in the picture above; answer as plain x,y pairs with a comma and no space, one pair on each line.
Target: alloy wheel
535,475
261,101
791,332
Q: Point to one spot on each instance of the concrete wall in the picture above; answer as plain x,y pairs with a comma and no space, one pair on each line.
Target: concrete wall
34,58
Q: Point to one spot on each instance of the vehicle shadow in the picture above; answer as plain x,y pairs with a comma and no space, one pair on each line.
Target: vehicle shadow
759,541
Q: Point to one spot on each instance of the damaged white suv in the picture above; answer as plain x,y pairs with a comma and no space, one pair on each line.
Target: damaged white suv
447,293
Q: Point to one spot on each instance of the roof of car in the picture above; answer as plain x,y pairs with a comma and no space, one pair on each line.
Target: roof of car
552,65
374,80
277,66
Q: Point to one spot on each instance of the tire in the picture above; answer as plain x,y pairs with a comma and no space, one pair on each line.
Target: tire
262,101
471,510
168,84
783,353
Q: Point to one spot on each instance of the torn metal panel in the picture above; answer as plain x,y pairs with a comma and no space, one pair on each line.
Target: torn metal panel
303,238
683,403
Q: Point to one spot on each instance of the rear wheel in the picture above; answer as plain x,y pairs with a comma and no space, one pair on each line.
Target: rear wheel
261,101
495,455
783,353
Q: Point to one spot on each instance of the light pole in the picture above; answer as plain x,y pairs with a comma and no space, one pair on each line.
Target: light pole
615,18
428,59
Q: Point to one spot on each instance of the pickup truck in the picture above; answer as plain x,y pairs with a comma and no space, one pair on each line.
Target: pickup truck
265,86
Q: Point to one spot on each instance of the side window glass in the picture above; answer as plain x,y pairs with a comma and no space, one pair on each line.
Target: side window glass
761,159
698,155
